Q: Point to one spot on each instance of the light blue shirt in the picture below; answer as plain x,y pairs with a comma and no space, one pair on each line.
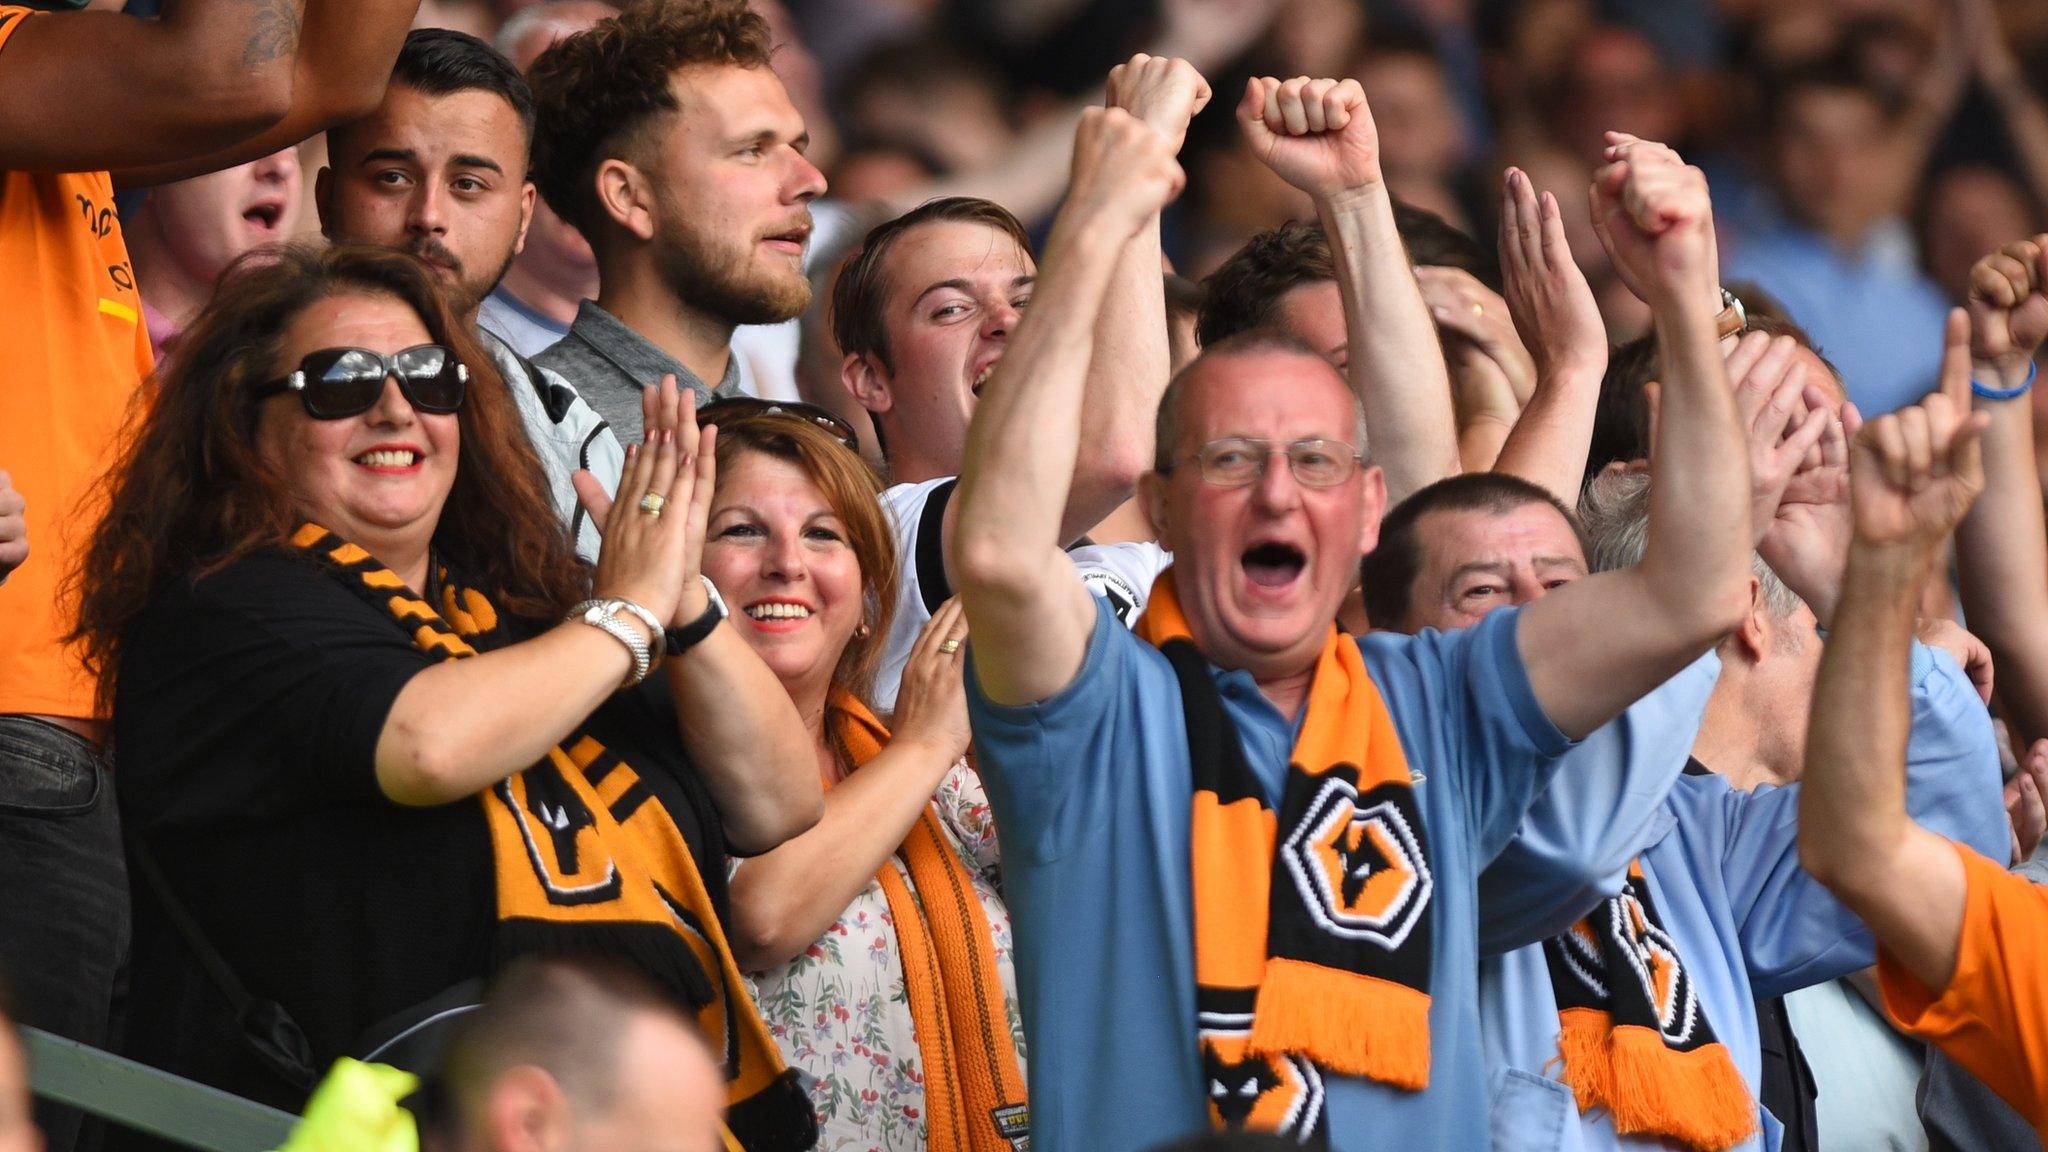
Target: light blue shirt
1869,309
1091,791
1723,870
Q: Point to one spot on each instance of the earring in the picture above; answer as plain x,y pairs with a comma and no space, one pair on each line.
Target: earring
861,630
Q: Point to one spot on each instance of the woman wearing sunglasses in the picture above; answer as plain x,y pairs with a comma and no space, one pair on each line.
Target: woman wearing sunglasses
879,939
380,731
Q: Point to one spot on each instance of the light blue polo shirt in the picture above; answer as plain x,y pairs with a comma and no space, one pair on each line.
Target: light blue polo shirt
1723,870
1091,791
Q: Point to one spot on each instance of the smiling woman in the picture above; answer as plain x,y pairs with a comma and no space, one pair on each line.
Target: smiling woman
328,603
904,1001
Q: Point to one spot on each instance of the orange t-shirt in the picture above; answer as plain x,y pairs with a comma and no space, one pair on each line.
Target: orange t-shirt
1993,1017
72,351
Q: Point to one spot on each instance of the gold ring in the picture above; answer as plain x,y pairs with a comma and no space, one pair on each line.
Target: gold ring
653,503
949,646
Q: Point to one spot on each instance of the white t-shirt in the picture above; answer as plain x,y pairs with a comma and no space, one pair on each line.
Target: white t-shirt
1119,573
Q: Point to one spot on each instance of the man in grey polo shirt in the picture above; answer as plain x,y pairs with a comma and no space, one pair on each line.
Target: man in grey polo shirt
663,136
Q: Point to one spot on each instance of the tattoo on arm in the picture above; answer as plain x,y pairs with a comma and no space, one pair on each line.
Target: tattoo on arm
275,33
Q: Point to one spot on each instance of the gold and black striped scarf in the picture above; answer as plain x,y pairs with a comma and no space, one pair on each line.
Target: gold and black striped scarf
1633,1034
1312,924
587,864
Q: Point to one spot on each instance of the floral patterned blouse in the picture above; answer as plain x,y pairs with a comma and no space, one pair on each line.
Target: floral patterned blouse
840,1012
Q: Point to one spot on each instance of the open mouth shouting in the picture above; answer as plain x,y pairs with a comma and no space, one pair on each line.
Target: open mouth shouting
265,217
1273,566
982,377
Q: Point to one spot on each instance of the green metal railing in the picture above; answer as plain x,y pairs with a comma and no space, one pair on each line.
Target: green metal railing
147,1100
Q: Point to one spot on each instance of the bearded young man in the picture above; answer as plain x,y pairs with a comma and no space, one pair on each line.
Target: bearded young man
664,137
1213,930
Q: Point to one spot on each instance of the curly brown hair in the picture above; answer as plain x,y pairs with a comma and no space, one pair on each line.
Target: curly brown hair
854,491
597,91
188,493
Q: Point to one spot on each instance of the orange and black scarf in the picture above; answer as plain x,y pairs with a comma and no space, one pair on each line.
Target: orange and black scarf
1312,925
1633,1036
973,1085
588,863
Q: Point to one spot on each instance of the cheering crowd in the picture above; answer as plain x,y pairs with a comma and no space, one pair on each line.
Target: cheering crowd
878,575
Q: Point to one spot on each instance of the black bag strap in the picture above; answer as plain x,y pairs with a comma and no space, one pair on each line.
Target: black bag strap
554,399
266,1030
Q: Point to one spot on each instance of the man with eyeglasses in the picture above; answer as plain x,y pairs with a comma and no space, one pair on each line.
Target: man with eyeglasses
1241,848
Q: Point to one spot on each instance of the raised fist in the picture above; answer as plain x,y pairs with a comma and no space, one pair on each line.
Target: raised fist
1123,173
1163,92
1317,135
2008,304
1913,474
1656,221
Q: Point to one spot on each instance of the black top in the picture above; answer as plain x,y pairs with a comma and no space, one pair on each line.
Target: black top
246,721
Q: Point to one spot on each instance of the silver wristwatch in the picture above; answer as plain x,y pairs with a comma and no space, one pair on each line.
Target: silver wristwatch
604,615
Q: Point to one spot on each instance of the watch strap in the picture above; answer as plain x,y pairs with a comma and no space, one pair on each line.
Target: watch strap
688,636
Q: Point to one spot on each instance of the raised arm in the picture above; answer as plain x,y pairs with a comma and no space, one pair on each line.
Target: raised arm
349,47
1029,613
87,91
1598,644
1131,363
462,725
1318,135
1913,475
2002,546
1553,308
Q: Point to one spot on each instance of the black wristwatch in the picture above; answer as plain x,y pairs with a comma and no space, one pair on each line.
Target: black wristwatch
681,640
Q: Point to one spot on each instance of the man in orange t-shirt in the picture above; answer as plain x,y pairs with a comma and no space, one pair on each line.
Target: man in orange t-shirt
89,100
1960,939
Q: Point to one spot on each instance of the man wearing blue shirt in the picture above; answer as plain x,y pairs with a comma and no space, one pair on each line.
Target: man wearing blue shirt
1082,727
1745,921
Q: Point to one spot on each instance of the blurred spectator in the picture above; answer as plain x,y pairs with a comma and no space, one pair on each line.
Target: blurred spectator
693,237
1422,141
576,1056
1613,80
536,301
1965,212
930,95
1839,253
184,235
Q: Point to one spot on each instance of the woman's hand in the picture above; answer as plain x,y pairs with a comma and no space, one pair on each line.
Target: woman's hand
931,704
651,556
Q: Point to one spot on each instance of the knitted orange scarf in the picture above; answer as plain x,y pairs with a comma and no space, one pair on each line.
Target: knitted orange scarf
974,1088
1312,926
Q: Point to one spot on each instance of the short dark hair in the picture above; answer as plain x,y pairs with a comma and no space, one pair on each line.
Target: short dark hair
859,291
1434,242
1388,572
1621,419
441,61
1244,293
597,90
566,1016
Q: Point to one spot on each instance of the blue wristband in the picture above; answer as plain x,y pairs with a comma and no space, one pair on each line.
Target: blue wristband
2006,393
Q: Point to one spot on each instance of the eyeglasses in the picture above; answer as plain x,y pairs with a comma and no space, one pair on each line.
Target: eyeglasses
730,408
338,382
1236,461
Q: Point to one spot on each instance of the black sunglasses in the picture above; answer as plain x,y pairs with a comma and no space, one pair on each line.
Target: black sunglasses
730,408
337,382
